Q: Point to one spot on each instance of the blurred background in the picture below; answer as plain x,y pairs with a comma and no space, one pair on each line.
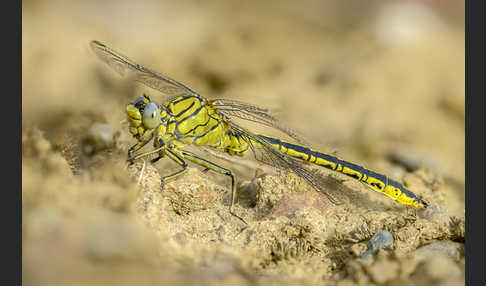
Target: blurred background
380,83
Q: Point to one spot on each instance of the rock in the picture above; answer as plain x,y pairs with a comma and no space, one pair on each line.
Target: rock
438,214
99,137
438,270
381,240
454,250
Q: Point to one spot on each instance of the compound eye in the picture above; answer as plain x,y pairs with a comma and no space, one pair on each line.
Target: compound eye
151,116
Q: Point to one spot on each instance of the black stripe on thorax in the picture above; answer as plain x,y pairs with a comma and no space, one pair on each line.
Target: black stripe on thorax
186,109
184,97
174,102
177,122
195,113
210,129
199,125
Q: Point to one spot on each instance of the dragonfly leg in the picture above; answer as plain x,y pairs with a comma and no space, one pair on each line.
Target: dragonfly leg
204,171
158,143
158,150
154,160
179,160
135,148
130,152
212,166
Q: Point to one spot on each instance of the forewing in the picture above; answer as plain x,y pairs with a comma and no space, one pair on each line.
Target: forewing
125,66
249,112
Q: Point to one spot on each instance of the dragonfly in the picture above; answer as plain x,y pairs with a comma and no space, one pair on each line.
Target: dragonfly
187,118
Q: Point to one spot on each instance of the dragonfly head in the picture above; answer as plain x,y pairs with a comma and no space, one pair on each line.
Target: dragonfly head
144,115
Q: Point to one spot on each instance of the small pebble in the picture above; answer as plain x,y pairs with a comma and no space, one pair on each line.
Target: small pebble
103,132
438,214
381,240
247,193
412,160
99,137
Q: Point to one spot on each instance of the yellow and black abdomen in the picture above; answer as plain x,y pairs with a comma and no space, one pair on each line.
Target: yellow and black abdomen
377,182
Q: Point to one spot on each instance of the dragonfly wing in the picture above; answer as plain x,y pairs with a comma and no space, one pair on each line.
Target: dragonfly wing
125,66
249,112
267,154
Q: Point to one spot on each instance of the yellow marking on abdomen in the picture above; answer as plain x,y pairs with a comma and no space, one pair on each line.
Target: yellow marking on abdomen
376,181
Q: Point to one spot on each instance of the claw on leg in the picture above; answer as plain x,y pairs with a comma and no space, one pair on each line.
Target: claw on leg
237,216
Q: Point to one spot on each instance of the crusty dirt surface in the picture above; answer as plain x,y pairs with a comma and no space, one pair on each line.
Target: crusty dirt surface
380,84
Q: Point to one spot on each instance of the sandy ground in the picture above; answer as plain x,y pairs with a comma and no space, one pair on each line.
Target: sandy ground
380,84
